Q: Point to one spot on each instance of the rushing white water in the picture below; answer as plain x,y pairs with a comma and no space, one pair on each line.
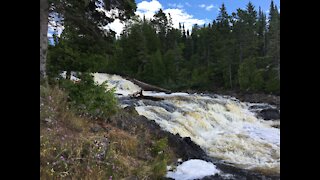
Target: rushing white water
223,126
122,86
193,169
72,77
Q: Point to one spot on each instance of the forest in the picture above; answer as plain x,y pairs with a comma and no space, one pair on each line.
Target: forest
238,51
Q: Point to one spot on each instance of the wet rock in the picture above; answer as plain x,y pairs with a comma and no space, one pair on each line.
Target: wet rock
184,147
165,105
269,114
128,101
100,148
131,110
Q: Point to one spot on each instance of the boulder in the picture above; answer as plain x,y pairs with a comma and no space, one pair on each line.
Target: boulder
269,114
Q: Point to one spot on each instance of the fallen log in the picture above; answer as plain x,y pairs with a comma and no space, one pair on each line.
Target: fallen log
149,97
148,87
139,95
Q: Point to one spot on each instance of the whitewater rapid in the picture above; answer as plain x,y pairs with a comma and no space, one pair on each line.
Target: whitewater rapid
223,126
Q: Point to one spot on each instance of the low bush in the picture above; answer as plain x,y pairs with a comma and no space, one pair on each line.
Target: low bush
90,99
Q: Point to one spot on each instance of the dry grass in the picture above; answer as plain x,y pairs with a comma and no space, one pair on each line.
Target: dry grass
123,142
69,150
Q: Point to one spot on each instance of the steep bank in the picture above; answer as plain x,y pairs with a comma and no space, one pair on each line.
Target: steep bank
78,147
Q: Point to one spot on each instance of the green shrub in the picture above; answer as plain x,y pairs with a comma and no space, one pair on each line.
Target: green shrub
159,168
159,165
159,146
258,83
273,86
246,70
87,98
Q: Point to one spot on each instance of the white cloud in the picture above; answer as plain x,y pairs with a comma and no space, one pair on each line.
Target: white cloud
176,5
148,9
180,16
116,26
208,7
177,15
151,6
54,26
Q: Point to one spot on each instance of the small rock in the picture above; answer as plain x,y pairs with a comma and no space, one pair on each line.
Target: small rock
48,120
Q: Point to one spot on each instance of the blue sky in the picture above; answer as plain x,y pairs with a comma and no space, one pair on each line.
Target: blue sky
208,9
190,12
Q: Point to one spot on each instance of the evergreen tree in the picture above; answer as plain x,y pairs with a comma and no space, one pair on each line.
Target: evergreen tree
158,68
82,14
223,50
238,51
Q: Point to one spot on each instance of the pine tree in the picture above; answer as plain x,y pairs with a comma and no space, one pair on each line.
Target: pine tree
158,68
223,50
161,24
273,49
82,14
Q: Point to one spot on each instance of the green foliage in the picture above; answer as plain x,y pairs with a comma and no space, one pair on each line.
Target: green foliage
159,146
273,84
159,168
250,78
158,68
159,165
200,78
234,52
90,99
246,71
257,81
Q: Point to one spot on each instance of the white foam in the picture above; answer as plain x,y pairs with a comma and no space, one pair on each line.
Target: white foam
193,169
122,86
72,77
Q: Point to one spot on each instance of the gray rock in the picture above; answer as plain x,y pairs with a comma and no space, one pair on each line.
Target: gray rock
269,114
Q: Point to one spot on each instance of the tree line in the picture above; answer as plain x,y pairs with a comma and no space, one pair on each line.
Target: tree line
237,51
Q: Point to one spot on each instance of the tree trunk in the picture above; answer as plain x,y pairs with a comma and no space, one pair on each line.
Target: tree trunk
230,75
44,13
68,75
240,54
264,45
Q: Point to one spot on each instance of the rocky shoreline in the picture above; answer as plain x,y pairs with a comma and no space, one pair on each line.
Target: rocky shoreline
254,97
245,96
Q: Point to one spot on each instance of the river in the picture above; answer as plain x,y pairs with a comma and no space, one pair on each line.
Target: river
224,127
